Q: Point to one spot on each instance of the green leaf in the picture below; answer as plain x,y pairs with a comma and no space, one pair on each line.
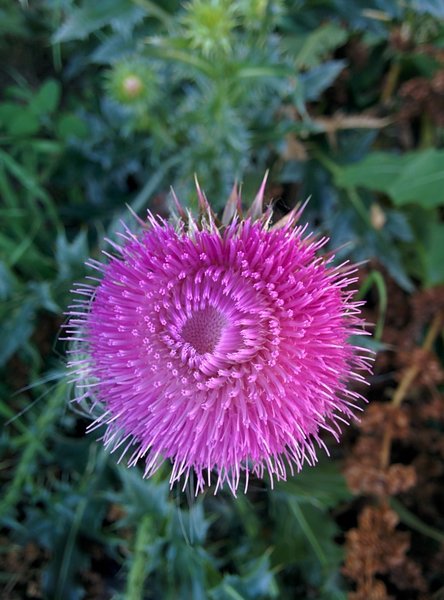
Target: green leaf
307,526
420,180
71,256
47,98
323,486
226,592
310,48
305,536
173,50
113,48
18,120
256,581
25,124
46,147
319,78
11,20
375,172
43,294
8,111
71,126
414,177
434,255
17,329
36,444
380,244
6,281
141,496
430,7
95,15
25,177
310,85
79,513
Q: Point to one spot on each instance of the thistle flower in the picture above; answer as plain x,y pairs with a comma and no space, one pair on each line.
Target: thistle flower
221,348
209,25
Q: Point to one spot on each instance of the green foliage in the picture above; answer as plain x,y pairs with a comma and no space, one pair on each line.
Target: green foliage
120,15
434,254
430,7
109,103
413,177
208,26
310,47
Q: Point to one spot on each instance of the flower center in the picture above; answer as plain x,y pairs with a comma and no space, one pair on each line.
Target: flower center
203,329
132,85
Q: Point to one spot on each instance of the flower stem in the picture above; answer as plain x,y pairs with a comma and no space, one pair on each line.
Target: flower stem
138,569
390,82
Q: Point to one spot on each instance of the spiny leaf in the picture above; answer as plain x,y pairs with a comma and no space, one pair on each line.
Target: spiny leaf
310,48
95,15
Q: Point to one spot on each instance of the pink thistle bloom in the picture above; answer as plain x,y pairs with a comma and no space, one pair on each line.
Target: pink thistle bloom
223,349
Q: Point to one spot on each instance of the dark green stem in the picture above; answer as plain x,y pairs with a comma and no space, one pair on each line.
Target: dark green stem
138,569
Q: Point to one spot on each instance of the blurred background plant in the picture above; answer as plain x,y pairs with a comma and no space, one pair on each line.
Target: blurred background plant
110,103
